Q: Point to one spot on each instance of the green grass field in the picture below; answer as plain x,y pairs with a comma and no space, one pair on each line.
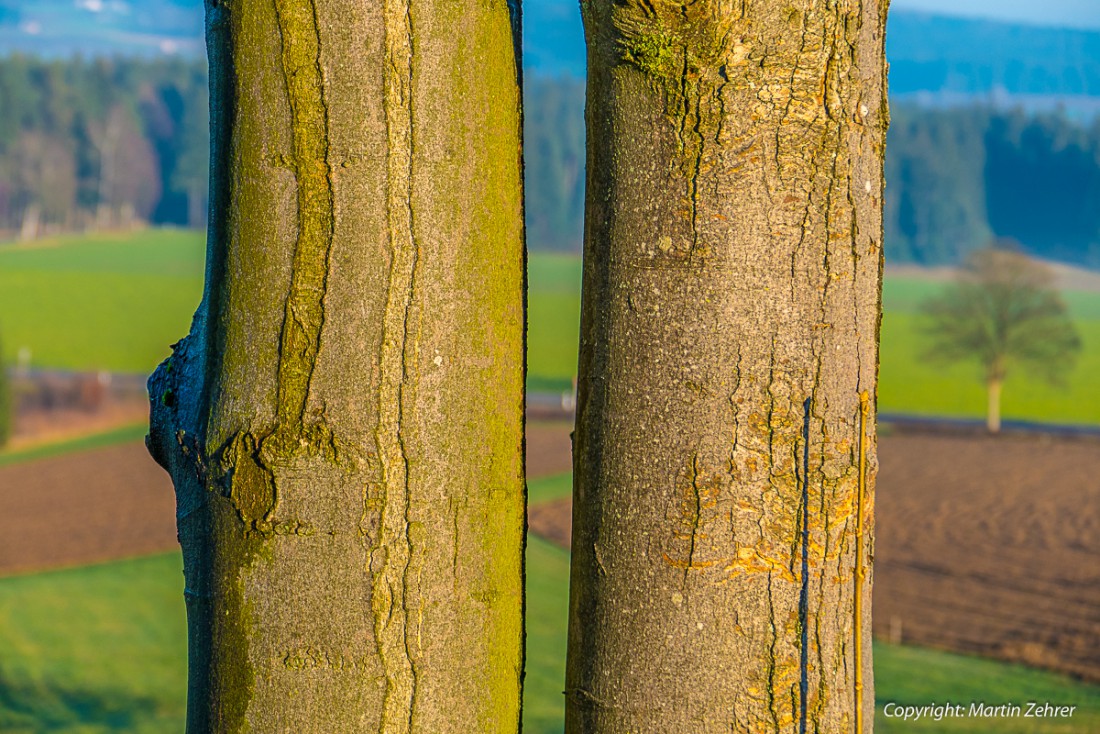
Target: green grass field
909,383
102,649
553,315
913,676
116,302
96,649
111,302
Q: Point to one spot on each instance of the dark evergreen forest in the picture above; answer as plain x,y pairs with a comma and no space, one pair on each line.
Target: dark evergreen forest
112,143
955,179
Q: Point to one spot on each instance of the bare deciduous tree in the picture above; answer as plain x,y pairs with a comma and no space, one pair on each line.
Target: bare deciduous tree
46,175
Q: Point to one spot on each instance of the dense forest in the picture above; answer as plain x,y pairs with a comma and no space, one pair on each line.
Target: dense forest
113,143
101,144
955,179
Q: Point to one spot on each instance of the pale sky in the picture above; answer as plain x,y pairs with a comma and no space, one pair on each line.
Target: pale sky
1066,13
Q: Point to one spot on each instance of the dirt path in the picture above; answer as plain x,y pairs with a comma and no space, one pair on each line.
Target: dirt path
84,507
39,427
549,449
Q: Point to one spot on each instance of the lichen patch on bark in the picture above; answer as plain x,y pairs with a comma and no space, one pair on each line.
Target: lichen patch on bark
392,555
305,305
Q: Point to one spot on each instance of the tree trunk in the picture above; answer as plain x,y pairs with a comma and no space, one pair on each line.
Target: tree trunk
343,424
993,408
108,149
724,458
32,219
195,215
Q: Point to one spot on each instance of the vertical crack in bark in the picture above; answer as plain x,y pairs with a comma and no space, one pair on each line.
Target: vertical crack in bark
696,170
691,140
300,341
696,518
803,596
857,605
791,98
791,87
773,654
826,501
391,556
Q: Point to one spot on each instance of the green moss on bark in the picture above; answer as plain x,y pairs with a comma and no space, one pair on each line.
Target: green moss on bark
234,677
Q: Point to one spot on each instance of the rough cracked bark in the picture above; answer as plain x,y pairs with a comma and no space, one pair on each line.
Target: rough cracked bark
733,250
343,423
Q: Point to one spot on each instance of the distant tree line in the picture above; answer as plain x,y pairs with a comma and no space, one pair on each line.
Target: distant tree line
107,143
87,144
956,179
553,149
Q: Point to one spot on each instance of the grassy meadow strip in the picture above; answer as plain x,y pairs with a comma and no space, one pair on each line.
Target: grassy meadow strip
116,302
178,252
99,440
909,383
547,624
914,676
95,649
102,302
548,489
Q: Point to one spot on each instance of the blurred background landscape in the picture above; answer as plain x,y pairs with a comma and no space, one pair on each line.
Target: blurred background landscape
987,584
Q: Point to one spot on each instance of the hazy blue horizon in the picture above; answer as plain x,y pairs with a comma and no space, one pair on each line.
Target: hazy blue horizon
1060,13
553,27
1065,13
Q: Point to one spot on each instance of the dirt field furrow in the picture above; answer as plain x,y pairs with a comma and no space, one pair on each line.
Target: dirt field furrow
84,507
116,502
1040,597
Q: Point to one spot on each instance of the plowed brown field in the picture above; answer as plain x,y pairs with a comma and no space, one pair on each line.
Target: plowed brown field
982,545
115,502
84,507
